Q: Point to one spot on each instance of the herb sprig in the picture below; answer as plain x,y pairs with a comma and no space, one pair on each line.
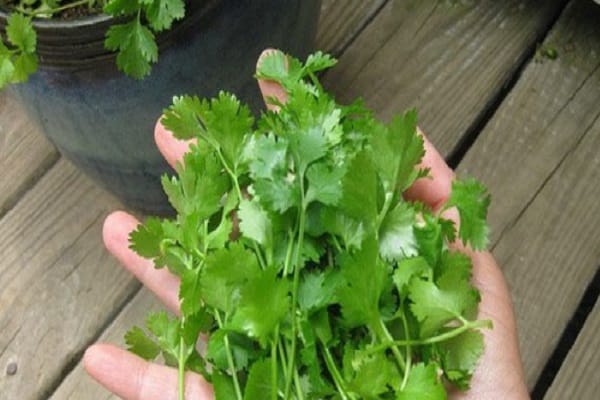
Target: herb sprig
299,258
133,38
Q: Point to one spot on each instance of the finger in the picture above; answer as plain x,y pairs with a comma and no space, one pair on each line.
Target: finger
171,148
270,88
132,378
499,373
161,282
435,191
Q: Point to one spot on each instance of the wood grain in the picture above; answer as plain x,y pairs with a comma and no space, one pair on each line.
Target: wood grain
59,287
24,153
78,385
539,156
342,21
450,59
579,376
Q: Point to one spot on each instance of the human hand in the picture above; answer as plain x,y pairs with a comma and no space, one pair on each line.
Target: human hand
499,374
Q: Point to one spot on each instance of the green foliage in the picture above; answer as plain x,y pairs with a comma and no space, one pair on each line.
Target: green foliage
17,57
333,286
133,38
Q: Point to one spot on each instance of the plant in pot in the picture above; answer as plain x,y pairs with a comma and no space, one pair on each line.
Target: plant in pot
73,54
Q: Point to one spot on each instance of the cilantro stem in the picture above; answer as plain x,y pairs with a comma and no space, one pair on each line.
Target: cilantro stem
288,253
386,206
335,373
274,365
299,392
385,334
296,280
433,339
282,357
236,383
181,366
408,352
54,10
231,174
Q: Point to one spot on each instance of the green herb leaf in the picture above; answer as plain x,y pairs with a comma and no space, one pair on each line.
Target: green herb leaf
472,201
263,292
423,384
396,235
259,381
140,344
459,357
162,13
20,33
136,45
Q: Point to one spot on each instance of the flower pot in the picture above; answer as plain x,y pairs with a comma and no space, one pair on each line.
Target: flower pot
103,121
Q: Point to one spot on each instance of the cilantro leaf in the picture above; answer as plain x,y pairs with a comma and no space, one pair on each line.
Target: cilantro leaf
121,7
459,357
374,375
359,199
223,386
434,305
162,13
146,239
325,184
317,290
241,347
255,223
359,297
225,272
181,118
136,45
396,235
19,61
7,68
429,239
167,332
259,381
189,193
472,200
264,291
20,33
397,149
406,270
319,61
140,344
189,292
423,384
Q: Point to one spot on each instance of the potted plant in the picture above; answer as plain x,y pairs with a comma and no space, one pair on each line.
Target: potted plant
102,119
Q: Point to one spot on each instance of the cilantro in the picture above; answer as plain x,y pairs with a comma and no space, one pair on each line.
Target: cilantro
423,384
136,45
331,286
134,41
472,201
18,60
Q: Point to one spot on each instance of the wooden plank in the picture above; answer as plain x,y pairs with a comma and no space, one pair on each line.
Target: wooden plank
579,375
539,157
24,153
342,21
78,385
449,59
58,285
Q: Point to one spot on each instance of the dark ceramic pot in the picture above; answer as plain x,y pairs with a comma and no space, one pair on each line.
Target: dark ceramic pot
103,121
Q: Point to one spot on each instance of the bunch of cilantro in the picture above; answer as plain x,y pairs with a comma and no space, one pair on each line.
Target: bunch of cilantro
300,262
132,37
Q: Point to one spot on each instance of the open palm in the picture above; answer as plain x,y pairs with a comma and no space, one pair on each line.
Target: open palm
499,374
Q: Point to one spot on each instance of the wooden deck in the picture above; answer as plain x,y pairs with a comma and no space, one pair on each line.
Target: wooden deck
526,125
